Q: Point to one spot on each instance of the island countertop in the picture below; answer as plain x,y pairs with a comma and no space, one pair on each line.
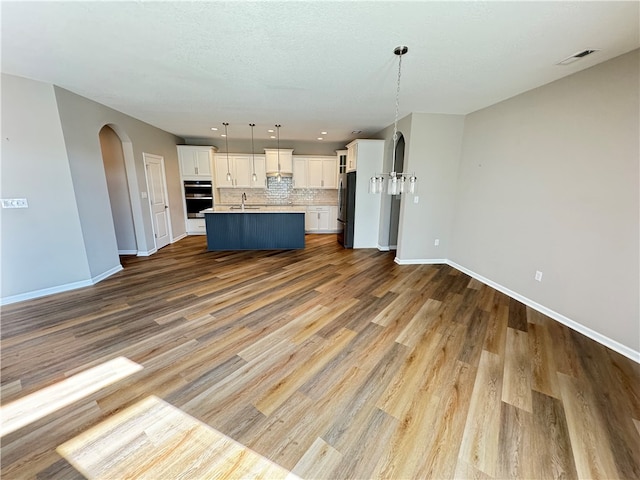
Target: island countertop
256,209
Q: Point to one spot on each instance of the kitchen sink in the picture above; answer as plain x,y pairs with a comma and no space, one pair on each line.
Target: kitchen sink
246,207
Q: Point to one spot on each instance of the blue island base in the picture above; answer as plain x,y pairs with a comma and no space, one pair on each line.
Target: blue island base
254,231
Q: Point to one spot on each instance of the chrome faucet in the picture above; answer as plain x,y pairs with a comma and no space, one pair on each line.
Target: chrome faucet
244,198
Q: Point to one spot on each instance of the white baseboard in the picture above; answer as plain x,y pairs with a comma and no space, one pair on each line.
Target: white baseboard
108,273
59,288
179,237
142,253
387,248
421,261
127,252
578,327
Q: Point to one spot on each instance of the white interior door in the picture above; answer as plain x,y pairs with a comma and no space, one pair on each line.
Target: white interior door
157,187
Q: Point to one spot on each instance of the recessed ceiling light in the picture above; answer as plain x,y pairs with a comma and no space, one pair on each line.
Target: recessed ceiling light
270,130
320,138
323,133
214,129
273,136
223,135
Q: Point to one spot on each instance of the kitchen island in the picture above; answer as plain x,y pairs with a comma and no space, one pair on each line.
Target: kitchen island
254,228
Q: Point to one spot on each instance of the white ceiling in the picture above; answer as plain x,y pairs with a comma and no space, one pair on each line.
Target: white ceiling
310,65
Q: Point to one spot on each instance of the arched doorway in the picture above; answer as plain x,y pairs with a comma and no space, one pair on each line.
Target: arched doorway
119,196
394,222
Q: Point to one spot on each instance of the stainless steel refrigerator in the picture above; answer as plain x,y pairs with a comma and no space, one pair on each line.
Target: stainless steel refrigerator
346,208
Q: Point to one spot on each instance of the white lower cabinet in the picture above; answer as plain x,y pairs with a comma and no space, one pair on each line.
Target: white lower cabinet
196,226
320,219
333,218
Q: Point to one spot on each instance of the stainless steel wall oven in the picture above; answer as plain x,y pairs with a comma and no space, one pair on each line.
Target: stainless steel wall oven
198,195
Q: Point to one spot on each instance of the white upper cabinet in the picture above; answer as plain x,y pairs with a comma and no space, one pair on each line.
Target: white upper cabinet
241,169
285,158
261,172
342,160
195,161
299,172
352,157
330,173
221,171
315,179
315,172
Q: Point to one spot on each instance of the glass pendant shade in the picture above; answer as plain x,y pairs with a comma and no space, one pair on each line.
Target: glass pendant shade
413,184
373,184
254,177
401,184
392,186
228,176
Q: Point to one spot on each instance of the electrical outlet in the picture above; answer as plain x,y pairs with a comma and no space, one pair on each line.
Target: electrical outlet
436,242
14,203
415,199
143,194
538,276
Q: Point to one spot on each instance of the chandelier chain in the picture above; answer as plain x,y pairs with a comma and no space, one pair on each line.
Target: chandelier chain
226,143
253,153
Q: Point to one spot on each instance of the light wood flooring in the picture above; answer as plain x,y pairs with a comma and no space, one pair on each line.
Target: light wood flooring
330,363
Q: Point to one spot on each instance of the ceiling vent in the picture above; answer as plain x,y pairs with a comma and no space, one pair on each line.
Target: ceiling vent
577,56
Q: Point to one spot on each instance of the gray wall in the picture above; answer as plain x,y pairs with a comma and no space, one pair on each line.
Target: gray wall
549,181
82,120
432,152
42,245
51,155
119,198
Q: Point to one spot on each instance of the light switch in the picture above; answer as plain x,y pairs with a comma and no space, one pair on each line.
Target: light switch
143,194
14,203
415,199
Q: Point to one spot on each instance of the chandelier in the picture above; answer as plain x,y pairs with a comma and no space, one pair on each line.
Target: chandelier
395,183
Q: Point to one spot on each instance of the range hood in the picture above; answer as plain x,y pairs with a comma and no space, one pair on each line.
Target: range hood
282,157
282,174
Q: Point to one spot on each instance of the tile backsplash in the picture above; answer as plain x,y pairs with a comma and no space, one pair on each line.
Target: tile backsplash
279,193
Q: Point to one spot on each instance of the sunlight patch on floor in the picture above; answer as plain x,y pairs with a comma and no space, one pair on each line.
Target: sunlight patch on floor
154,439
37,405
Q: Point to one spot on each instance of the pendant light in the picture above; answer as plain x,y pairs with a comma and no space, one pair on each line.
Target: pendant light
226,142
254,177
279,176
395,183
